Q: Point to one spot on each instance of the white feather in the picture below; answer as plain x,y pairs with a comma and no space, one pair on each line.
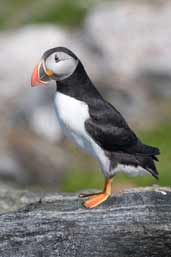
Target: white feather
130,170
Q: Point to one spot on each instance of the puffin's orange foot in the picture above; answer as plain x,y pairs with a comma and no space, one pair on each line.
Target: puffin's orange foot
95,200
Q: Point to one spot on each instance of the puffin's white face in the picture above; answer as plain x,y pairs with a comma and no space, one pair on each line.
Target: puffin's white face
61,64
55,65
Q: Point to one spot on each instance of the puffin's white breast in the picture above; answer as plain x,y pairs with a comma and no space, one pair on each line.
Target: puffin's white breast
72,114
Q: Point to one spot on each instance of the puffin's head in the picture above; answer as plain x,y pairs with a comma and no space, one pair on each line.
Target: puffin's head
56,64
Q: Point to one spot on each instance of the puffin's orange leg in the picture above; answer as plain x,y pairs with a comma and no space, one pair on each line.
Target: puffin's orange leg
99,198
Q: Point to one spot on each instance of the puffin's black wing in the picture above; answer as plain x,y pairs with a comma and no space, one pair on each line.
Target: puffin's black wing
109,136
109,130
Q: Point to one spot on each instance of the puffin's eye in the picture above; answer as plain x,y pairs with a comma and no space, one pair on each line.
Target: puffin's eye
56,58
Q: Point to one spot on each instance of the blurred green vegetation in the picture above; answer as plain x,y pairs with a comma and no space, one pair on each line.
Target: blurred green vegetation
16,13
80,178
68,13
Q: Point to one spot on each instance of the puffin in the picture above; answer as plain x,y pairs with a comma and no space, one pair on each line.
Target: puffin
93,123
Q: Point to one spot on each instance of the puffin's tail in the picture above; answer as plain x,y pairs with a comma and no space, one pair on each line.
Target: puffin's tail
147,162
136,160
151,150
147,157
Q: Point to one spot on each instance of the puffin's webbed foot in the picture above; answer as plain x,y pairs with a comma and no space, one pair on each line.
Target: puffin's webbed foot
95,200
98,198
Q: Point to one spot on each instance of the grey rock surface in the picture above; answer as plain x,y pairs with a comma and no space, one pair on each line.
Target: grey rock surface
133,223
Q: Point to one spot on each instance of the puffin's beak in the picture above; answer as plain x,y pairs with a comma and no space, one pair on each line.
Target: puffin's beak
40,76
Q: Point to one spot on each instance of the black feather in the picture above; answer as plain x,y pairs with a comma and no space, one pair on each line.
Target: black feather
155,158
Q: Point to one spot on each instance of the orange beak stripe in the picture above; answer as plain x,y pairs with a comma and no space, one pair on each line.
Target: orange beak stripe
49,72
35,81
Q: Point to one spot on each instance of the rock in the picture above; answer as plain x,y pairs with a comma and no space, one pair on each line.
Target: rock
24,107
43,162
21,50
131,37
132,41
133,223
51,129
10,170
